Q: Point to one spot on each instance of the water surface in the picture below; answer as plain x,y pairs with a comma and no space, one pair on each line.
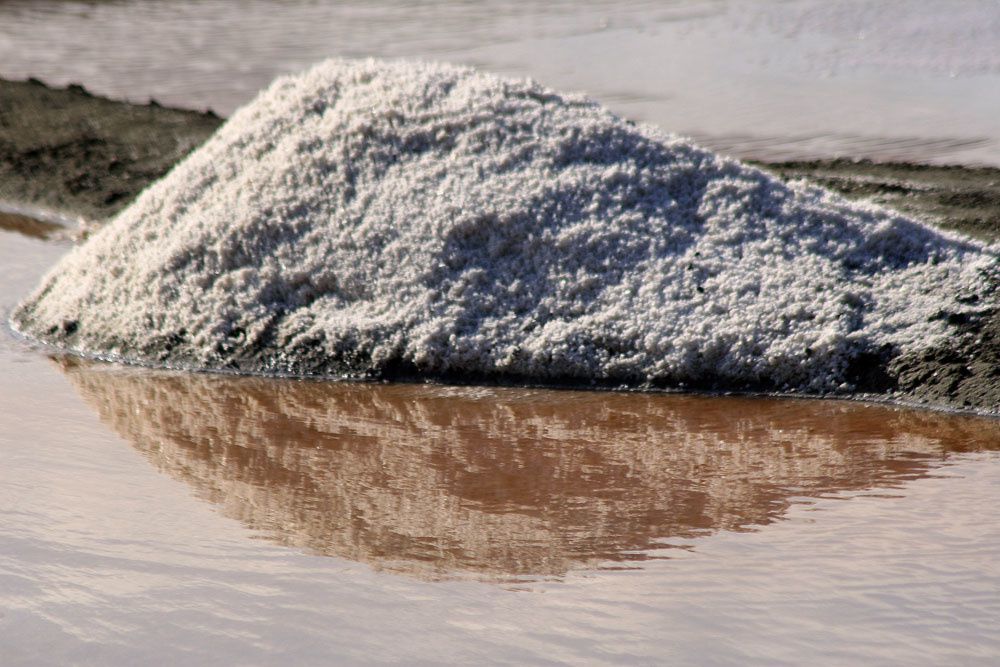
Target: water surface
492,482
151,515
771,79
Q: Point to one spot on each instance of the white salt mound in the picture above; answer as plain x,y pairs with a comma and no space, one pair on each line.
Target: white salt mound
379,218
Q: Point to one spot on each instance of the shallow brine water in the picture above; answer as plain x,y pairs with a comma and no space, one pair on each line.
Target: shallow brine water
770,79
147,515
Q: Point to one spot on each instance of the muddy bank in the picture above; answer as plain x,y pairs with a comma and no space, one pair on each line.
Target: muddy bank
83,155
88,156
963,199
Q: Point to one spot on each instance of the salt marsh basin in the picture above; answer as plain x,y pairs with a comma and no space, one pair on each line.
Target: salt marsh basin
153,516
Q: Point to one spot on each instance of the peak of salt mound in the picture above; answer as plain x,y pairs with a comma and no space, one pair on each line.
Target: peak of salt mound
375,218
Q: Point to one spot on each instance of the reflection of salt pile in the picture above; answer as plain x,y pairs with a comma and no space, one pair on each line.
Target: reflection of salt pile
382,218
439,481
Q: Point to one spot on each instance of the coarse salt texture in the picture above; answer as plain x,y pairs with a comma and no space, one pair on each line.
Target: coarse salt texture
378,219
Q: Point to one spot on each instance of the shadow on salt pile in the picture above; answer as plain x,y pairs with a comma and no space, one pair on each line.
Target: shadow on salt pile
496,484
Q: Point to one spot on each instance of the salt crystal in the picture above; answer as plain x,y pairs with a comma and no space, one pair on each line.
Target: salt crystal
370,218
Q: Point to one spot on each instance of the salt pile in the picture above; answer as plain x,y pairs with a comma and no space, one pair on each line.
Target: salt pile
383,218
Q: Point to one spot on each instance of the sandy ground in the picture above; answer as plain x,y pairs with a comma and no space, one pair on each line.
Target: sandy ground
85,156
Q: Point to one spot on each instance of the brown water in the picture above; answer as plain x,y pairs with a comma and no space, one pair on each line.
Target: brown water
445,481
160,517
33,227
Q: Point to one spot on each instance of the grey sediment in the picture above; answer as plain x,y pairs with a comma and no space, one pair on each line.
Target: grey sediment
82,156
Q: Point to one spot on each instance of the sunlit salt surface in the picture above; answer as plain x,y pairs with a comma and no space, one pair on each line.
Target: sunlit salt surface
395,218
773,79
204,520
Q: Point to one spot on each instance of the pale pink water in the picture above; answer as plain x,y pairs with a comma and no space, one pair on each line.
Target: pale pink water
171,518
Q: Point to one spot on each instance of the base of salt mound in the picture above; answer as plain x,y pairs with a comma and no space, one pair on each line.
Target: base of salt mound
373,219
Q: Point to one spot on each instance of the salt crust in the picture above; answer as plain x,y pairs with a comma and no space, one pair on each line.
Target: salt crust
371,217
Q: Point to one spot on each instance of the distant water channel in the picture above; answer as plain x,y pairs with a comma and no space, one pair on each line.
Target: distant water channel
204,519
771,79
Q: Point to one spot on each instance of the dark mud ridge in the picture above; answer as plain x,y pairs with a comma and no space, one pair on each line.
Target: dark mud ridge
85,156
